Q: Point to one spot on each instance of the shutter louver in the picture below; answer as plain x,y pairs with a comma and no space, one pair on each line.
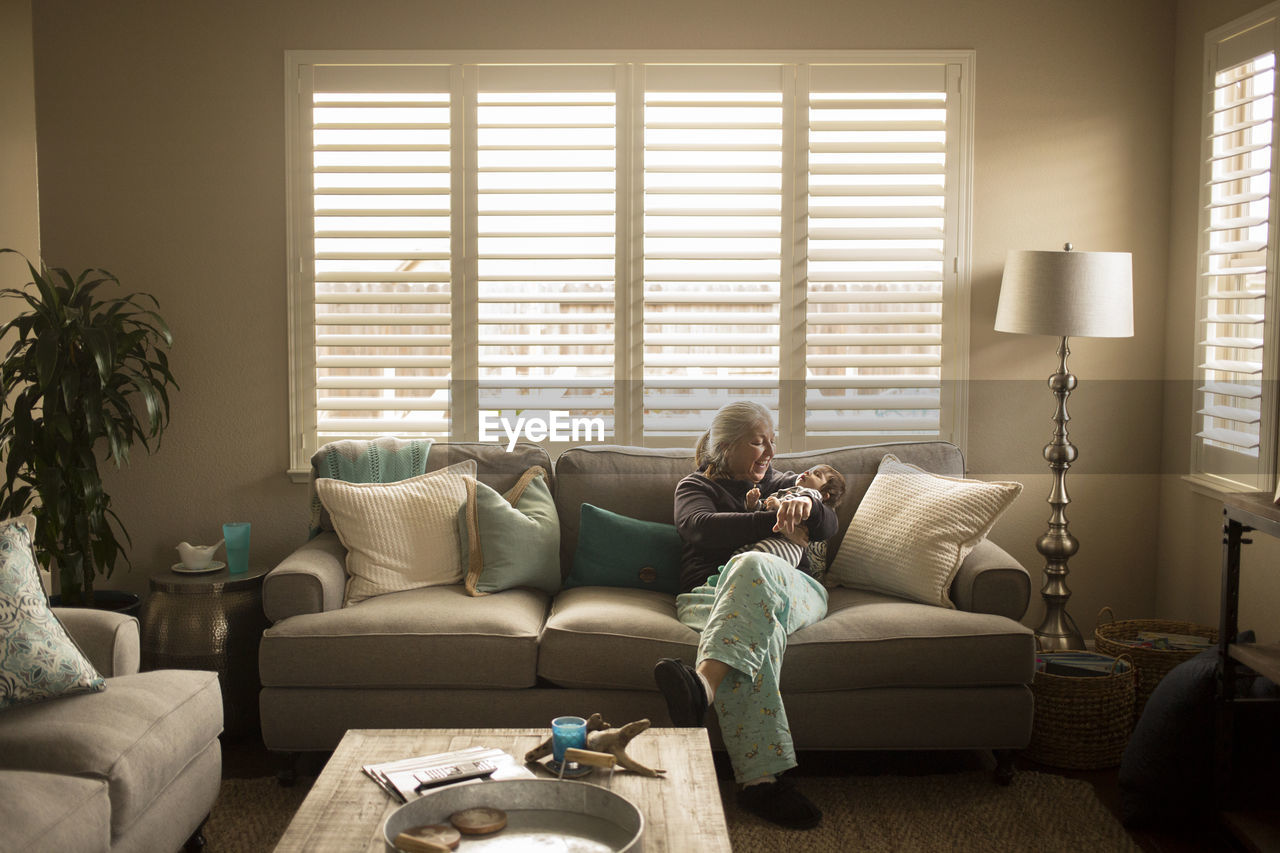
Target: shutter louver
1235,268
713,166
381,163
546,198
877,141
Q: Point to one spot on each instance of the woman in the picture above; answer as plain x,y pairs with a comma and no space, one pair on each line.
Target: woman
744,605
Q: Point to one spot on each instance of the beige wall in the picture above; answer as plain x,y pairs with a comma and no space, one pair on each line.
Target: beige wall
19,213
162,159
1190,551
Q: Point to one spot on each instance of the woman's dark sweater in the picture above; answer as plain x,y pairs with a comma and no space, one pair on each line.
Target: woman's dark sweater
713,522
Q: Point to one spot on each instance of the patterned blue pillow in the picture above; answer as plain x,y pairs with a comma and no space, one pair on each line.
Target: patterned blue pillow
38,659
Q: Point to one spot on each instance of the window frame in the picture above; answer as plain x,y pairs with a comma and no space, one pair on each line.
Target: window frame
1228,47
957,263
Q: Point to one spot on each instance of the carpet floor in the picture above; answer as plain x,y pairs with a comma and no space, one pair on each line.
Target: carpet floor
880,814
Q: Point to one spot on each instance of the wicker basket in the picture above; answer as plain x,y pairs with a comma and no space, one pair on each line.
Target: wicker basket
1082,723
1153,664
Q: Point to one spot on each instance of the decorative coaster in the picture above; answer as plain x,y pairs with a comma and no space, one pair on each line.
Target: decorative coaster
572,771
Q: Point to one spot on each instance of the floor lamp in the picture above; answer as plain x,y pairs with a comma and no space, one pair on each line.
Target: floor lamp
1064,294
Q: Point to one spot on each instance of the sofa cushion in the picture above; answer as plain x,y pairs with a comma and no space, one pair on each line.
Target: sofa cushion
399,535
436,636
49,811
611,638
914,528
510,539
38,658
139,734
614,550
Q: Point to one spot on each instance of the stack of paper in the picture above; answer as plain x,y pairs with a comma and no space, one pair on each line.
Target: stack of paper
399,778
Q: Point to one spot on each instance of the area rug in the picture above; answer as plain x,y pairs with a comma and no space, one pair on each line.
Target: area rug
878,814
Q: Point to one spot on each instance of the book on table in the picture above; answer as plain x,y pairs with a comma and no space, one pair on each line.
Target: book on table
410,778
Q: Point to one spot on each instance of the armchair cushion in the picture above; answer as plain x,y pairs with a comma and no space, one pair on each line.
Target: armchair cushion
38,658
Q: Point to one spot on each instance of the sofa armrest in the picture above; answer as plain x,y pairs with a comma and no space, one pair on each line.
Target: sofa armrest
109,640
310,580
992,581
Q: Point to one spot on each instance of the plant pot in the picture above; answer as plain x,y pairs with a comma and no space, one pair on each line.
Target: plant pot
114,600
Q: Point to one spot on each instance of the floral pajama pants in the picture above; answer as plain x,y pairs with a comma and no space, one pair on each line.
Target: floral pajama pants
745,615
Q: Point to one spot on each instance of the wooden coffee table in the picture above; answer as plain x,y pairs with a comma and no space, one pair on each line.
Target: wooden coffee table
345,809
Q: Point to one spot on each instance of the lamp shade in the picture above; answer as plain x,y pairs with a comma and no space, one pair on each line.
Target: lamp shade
1075,294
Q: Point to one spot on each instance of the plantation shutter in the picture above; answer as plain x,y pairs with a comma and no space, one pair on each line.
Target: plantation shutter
1235,402
380,262
878,206
715,143
545,240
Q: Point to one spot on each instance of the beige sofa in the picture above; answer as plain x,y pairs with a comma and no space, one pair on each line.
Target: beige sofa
876,673
135,767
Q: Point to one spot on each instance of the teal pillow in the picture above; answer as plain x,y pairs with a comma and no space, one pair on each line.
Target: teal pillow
510,540
614,550
38,658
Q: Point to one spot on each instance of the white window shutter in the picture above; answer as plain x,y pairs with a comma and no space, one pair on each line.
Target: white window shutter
877,149
715,145
381,165
1235,421
545,158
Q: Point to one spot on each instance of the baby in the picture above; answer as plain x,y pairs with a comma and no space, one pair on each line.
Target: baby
820,483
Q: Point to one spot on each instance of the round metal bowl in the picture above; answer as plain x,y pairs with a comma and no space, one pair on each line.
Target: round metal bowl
542,814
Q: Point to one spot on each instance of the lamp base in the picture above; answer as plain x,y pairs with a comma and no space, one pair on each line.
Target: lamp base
1058,632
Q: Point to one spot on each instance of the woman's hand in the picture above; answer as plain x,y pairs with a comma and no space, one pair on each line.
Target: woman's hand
792,512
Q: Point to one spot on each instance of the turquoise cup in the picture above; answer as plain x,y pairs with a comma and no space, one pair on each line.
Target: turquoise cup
567,733
236,534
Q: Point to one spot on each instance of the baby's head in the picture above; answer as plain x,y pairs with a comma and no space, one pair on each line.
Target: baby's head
826,480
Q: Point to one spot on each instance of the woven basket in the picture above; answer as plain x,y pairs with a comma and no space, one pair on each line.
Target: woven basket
1153,664
1082,723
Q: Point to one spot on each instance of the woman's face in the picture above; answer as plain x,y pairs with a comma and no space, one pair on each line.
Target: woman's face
749,458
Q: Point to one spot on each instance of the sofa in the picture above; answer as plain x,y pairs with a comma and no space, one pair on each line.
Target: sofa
135,767
877,673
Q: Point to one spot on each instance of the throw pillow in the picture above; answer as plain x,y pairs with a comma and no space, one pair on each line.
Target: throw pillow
914,528
38,658
511,539
399,535
614,550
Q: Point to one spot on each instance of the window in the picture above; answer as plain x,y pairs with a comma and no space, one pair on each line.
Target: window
1235,351
629,242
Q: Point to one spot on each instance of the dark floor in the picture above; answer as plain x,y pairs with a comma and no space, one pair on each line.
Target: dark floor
246,757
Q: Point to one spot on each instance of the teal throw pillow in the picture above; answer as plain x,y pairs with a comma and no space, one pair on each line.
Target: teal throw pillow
38,658
614,550
510,540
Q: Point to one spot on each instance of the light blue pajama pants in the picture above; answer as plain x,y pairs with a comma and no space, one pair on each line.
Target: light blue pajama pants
745,615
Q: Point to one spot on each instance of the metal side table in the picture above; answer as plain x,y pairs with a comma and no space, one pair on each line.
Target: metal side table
212,621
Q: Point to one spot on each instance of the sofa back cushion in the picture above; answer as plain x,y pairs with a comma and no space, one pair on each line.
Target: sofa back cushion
640,482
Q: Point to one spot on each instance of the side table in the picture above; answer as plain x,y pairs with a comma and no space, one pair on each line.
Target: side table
211,621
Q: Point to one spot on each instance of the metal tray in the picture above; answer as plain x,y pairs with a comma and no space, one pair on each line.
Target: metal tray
542,814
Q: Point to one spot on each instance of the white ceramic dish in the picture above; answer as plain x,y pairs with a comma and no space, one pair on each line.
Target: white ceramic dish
212,567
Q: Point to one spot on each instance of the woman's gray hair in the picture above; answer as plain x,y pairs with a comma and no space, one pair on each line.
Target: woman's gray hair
731,424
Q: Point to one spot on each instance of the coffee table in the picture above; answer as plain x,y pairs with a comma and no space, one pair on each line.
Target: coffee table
344,810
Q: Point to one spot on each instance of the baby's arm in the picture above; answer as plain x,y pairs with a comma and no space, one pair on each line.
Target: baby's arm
753,498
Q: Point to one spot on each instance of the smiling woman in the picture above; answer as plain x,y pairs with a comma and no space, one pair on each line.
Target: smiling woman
745,606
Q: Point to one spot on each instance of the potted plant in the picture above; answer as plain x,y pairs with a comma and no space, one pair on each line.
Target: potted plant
85,374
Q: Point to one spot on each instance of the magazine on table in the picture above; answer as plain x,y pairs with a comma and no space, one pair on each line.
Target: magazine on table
410,778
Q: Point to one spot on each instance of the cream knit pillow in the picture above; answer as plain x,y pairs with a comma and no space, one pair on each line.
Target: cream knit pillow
399,535
913,529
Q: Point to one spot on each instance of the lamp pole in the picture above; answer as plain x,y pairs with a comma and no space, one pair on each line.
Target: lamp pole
1058,631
